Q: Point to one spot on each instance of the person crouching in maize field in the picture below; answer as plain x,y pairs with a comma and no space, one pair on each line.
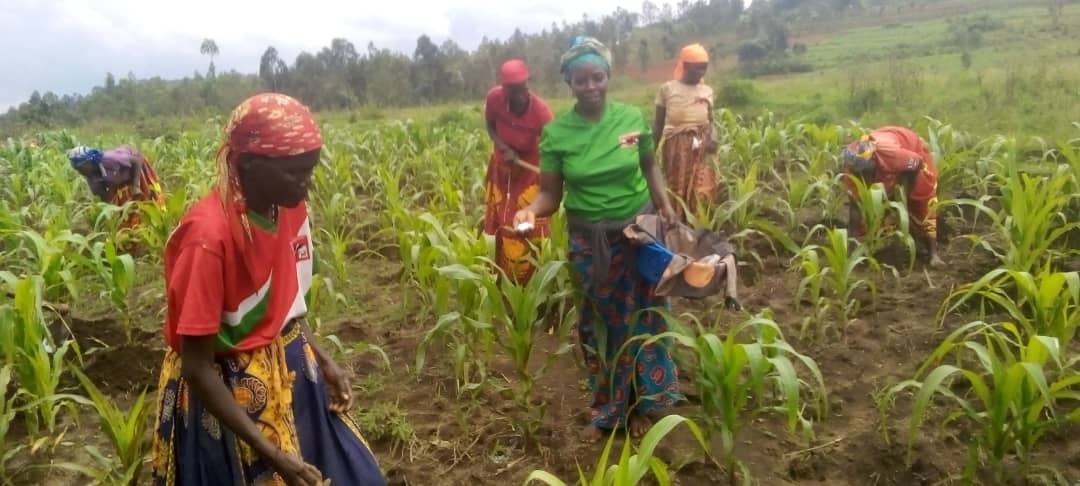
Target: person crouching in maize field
896,156
117,176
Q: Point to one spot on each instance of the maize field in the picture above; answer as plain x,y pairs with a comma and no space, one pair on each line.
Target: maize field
852,362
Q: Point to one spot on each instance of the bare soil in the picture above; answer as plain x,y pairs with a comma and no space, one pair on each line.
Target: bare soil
473,440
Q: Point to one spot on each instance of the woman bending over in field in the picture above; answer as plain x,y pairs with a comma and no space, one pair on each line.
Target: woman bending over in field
515,118
896,156
684,118
601,154
247,398
117,176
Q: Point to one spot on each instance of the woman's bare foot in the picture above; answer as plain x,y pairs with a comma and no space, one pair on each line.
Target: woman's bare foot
639,425
591,434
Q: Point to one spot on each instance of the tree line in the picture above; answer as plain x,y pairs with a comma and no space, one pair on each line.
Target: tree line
341,76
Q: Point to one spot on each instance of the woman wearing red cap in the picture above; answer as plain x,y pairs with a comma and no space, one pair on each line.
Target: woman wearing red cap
515,118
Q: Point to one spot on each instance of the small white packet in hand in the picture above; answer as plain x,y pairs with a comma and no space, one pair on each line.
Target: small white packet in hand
524,227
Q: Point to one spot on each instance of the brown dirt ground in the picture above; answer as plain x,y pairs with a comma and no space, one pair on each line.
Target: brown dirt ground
473,441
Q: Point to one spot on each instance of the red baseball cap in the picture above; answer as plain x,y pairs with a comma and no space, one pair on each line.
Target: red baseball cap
514,71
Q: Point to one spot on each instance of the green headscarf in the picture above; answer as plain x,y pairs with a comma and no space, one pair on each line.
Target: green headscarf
584,50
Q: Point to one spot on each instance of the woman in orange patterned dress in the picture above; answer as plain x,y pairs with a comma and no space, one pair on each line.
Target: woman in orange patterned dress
683,124
515,118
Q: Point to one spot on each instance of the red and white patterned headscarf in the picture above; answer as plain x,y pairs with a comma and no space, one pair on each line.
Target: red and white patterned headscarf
267,124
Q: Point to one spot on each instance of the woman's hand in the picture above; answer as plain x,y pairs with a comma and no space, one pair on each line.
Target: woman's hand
712,145
668,214
509,156
338,385
295,471
524,218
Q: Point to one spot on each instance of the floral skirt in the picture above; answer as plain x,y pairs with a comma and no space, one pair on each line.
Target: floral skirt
688,172
639,379
281,388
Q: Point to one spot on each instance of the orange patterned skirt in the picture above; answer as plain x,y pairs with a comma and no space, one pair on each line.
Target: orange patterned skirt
508,192
688,172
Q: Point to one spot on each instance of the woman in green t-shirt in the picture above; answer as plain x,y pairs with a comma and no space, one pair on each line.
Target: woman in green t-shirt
600,155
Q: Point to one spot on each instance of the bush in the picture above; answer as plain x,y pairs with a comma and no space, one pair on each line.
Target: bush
965,59
371,113
775,65
968,31
863,97
752,51
735,92
823,115
799,48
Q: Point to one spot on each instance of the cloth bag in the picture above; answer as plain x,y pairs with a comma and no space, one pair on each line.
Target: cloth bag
689,258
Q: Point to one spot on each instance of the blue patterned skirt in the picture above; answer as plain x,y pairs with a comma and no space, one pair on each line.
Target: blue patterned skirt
640,379
282,389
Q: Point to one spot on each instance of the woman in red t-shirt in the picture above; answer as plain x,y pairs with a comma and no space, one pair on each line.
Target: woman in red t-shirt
515,118
246,396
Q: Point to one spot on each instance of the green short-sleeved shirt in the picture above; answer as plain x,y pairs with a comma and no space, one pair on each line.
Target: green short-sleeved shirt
602,175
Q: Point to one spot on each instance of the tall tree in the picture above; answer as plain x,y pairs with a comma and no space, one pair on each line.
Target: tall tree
209,48
667,13
429,70
650,13
272,69
340,54
1055,7
643,55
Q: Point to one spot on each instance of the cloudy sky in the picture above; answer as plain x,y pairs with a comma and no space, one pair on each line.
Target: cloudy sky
67,46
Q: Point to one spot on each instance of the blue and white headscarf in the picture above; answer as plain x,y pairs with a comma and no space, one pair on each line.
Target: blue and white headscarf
82,155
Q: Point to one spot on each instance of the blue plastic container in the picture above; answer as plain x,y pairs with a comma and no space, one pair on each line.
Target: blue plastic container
653,259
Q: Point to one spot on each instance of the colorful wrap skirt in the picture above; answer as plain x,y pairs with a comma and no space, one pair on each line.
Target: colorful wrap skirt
639,379
282,389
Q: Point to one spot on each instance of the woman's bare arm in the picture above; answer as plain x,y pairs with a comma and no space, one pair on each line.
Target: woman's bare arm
657,188
550,197
659,120
197,356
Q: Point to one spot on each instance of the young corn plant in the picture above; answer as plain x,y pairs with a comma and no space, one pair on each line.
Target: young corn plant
876,210
8,410
117,272
1045,304
750,370
50,255
25,343
468,331
1009,390
744,211
830,280
632,468
1032,219
520,318
126,430
801,192
444,245
158,222
964,168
